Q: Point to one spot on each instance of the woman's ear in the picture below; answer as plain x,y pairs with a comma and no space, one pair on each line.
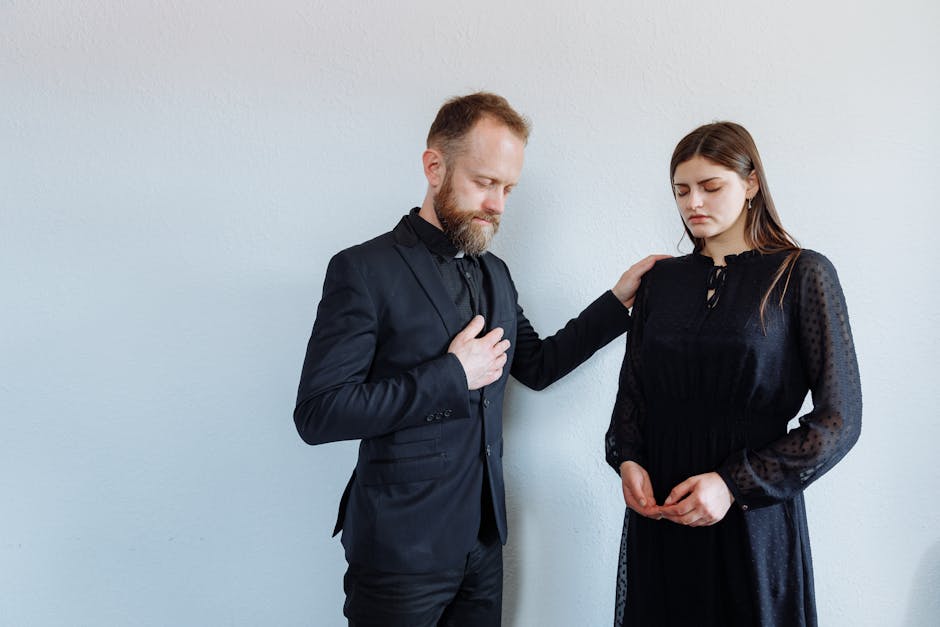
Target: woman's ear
753,185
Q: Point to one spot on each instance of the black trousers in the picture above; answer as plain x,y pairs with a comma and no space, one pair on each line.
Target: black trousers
468,597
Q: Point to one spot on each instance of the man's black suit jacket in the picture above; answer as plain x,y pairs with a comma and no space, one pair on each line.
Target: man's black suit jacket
377,370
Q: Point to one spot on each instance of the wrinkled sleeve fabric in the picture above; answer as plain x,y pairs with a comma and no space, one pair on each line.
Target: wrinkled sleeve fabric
624,440
336,398
778,471
538,363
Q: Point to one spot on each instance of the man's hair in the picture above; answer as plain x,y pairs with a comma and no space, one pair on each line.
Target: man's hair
458,115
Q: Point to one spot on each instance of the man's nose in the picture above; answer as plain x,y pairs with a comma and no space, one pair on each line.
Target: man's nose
495,201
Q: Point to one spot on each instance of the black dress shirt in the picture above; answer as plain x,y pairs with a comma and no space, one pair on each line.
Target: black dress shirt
462,274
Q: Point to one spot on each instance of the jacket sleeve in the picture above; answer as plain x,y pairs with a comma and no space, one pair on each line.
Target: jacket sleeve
337,399
786,466
538,363
624,440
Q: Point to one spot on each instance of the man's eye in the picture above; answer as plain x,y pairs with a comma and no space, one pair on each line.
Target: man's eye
680,193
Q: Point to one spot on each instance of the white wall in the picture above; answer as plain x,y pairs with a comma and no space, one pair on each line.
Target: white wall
174,177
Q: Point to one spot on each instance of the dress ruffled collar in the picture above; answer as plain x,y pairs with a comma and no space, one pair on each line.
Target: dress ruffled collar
729,259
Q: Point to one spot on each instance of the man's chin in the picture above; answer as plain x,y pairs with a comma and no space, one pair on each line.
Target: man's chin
486,234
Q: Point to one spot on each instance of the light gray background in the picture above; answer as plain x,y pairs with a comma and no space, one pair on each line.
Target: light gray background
174,177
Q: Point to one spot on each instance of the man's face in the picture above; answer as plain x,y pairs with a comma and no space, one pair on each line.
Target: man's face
472,195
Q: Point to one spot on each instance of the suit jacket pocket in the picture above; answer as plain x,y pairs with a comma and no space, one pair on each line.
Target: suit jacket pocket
430,431
401,470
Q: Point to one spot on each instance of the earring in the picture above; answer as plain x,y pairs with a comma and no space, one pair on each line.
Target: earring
749,200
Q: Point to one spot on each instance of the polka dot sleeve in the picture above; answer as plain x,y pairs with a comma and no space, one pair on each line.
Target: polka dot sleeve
624,440
784,467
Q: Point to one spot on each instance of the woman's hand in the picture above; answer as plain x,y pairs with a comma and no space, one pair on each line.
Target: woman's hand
638,491
698,501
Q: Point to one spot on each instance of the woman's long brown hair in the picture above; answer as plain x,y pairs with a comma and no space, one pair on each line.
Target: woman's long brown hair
730,145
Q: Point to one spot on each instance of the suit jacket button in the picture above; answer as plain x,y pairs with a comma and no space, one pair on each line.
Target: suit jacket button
447,413
489,450
430,418
486,402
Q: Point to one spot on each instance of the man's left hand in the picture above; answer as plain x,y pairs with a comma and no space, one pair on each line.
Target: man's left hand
626,287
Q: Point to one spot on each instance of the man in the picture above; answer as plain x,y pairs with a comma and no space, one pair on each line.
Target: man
415,336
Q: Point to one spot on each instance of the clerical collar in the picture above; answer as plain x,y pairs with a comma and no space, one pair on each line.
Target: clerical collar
433,237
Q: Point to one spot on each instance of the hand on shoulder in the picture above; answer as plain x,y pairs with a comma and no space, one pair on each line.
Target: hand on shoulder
626,287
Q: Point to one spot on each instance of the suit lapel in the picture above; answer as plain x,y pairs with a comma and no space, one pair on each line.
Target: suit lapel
500,294
422,265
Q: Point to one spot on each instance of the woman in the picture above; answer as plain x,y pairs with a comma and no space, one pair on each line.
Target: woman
725,343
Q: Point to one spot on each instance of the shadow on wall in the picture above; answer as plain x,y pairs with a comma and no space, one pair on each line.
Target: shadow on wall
923,609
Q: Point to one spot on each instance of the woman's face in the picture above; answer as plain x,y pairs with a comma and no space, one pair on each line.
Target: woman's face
711,198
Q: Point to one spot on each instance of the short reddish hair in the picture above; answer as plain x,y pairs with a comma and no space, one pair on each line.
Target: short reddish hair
458,115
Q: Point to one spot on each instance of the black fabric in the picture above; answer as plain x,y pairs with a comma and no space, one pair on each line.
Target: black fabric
460,597
462,274
707,385
377,370
431,236
463,278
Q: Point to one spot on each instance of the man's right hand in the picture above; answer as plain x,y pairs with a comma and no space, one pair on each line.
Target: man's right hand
482,358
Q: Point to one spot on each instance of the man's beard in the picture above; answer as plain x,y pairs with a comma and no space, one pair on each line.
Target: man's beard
458,224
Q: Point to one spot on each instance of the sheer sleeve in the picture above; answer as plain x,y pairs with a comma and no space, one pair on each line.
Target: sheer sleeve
624,441
786,466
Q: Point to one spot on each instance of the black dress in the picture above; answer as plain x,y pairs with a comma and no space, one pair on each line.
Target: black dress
706,385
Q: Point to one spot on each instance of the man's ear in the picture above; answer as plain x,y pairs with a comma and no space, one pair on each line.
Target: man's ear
434,168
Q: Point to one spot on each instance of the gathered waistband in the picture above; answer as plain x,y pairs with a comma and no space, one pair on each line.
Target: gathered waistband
753,427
